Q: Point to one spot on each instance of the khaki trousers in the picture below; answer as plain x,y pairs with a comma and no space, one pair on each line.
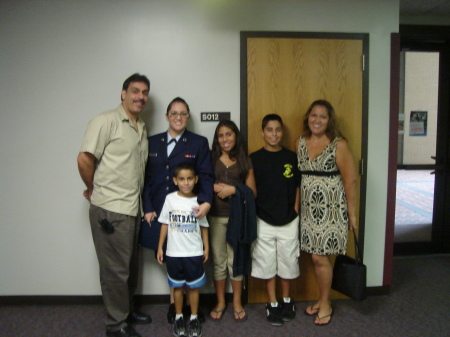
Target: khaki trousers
222,252
118,260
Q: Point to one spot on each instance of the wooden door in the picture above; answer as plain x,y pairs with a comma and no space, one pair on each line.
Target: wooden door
284,76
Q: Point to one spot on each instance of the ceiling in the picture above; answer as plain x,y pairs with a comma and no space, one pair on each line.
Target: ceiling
425,7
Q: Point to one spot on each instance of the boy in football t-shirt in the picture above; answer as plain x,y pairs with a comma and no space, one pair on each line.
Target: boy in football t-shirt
187,246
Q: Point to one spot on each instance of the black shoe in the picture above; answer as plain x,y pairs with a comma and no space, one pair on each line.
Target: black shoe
128,331
136,317
187,313
273,315
288,310
195,328
171,314
179,328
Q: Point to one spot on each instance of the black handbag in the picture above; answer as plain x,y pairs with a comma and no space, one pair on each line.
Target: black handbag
349,275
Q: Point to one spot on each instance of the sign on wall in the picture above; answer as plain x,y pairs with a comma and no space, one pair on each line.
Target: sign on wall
214,116
418,123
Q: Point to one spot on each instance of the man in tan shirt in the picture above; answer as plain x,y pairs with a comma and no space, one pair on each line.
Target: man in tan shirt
112,163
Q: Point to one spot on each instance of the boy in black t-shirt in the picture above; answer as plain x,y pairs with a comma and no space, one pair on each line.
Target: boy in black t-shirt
276,249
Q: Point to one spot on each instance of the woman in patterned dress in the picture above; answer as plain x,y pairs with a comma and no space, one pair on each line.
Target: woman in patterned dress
327,198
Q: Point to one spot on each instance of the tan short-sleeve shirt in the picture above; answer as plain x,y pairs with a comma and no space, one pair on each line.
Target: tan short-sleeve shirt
121,153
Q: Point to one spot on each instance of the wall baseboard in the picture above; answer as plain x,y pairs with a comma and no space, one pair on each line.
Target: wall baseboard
83,300
378,291
208,299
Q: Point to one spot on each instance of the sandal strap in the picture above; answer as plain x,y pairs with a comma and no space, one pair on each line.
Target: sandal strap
319,318
311,307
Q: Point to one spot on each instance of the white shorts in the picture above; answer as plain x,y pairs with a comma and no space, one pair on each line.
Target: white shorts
276,251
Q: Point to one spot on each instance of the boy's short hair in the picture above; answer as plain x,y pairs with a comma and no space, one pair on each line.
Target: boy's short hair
183,166
271,117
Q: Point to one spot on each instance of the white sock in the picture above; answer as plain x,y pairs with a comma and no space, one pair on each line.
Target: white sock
274,304
286,299
193,317
178,316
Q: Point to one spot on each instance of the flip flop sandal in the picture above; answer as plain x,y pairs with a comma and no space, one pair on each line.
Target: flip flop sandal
319,318
217,312
312,312
240,319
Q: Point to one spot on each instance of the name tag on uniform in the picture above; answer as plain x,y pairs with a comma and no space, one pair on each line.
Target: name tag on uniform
153,155
189,156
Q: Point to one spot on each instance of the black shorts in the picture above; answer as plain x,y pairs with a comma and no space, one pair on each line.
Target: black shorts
185,271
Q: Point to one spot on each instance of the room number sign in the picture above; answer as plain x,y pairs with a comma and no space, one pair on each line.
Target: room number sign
214,116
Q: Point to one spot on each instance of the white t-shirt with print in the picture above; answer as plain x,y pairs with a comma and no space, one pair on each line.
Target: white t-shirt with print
184,238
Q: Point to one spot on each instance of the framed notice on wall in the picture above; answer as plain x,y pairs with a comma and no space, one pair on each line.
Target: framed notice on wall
418,123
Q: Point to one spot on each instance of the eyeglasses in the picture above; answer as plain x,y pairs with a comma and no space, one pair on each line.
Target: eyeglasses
183,115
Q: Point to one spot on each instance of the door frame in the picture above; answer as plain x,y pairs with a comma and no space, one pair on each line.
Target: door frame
364,37
428,38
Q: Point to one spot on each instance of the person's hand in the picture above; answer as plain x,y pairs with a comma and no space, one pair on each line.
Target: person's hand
160,256
218,187
205,255
202,210
149,216
225,190
87,194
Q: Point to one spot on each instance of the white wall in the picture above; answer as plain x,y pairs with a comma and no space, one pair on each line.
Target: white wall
64,62
421,94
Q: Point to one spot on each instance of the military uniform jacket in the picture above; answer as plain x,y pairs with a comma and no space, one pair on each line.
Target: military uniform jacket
191,148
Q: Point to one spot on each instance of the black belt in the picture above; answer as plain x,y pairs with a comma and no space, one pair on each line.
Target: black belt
321,173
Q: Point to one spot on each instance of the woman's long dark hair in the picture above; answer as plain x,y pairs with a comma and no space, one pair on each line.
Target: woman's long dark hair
237,153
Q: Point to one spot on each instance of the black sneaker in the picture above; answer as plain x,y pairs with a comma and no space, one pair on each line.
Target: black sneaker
171,314
288,310
195,328
179,328
273,315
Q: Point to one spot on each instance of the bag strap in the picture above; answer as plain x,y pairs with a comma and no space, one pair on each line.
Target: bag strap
357,250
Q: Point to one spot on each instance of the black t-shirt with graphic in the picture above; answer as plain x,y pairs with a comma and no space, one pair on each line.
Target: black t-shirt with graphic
277,178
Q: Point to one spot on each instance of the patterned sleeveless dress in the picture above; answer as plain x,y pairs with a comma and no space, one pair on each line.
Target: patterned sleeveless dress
323,214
